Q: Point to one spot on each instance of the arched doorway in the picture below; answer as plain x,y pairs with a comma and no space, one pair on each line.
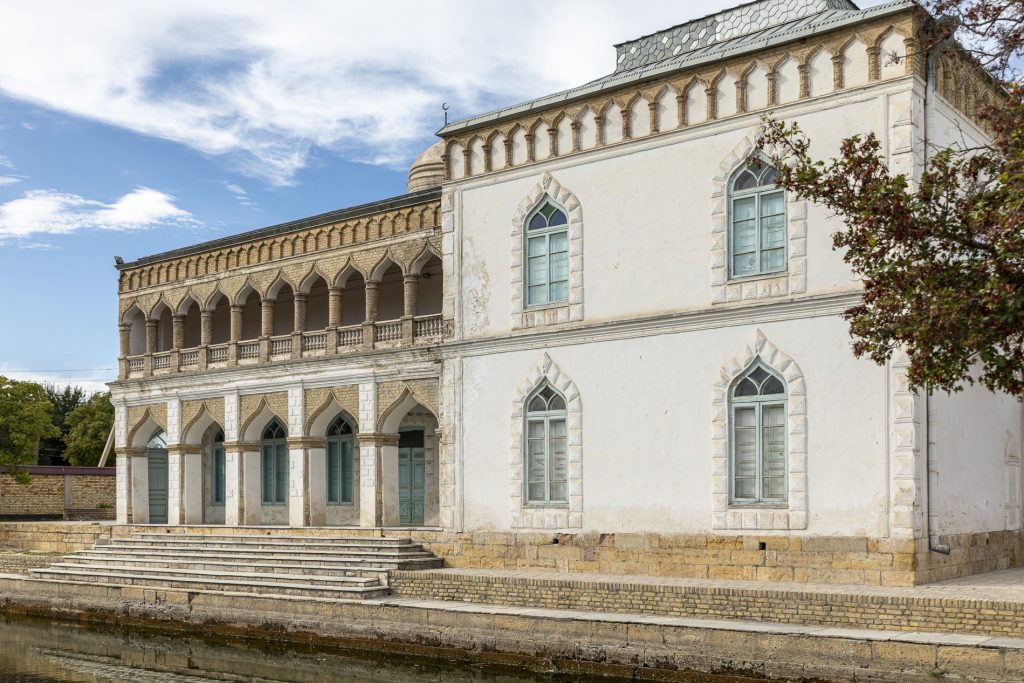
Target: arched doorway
412,476
156,458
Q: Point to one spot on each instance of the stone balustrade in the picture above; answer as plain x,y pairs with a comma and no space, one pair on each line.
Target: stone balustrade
352,339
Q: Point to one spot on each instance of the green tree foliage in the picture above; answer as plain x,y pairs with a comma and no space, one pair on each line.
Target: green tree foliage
26,417
64,400
941,257
89,426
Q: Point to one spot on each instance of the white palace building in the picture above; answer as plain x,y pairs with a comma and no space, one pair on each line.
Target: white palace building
592,336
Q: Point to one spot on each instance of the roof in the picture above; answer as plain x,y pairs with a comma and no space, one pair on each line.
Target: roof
790,31
399,202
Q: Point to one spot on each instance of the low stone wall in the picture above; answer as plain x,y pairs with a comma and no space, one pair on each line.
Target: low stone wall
791,606
969,554
799,559
21,562
53,491
633,647
54,537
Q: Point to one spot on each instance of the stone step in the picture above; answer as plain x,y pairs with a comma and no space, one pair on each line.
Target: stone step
269,544
243,574
277,538
285,553
422,560
322,569
220,584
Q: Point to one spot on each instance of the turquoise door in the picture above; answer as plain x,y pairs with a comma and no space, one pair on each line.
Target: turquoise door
157,459
411,478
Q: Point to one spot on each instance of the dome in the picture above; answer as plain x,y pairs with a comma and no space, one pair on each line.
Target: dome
428,169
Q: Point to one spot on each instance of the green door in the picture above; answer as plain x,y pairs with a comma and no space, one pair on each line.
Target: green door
157,458
411,478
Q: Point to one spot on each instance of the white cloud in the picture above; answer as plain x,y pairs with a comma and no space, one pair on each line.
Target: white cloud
8,180
58,213
5,162
266,83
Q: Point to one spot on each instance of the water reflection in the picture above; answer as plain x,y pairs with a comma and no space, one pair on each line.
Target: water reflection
40,651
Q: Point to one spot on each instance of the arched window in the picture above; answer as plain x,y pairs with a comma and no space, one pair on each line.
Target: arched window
757,230
339,462
758,437
158,442
547,255
219,479
546,463
274,448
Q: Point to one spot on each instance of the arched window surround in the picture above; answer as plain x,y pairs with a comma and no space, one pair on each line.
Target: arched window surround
570,310
527,515
788,514
792,280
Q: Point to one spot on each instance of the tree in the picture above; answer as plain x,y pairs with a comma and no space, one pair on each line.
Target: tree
64,400
89,426
26,417
941,257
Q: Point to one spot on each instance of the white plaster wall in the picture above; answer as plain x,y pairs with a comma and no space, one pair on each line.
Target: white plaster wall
646,222
974,434
647,442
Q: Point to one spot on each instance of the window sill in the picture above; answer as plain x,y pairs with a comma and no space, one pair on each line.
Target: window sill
757,505
546,506
545,307
274,505
737,279
340,505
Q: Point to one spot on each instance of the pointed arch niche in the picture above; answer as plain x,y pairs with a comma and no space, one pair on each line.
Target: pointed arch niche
792,280
551,515
793,513
524,316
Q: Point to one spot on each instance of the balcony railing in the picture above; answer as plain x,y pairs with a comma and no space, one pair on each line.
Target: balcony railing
189,358
390,330
218,354
389,334
350,337
314,342
281,346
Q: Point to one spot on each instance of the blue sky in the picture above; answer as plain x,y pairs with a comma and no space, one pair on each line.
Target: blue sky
131,128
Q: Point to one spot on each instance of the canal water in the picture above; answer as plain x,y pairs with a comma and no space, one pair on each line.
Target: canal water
42,651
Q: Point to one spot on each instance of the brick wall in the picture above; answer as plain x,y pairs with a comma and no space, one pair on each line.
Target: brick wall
791,606
53,491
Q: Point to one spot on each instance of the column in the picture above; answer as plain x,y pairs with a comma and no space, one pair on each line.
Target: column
372,312
252,489
205,327
298,501
177,331
410,288
124,333
152,327
192,494
140,486
234,500
267,318
316,481
368,470
236,322
123,485
299,324
387,449
334,302
174,516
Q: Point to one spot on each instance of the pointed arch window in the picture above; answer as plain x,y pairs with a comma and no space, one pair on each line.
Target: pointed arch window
758,430
219,470
757,225
274,448
546,461
547,255
339,462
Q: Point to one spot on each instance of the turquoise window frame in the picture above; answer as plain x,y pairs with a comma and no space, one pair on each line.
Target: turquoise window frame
274,468
545,418
340,474
219,473
552,260
758,194
759,404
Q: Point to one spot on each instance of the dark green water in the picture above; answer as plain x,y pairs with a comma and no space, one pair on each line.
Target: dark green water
42,651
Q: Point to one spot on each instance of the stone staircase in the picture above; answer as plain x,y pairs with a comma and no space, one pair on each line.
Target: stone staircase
272,564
